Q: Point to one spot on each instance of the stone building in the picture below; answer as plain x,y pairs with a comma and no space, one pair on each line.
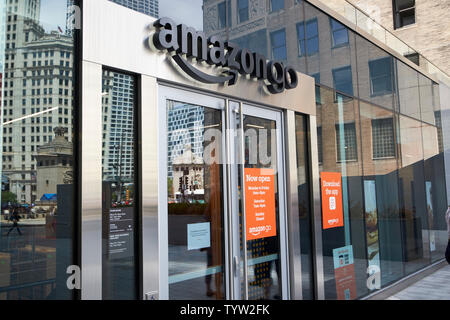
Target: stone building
188,177
54,163
37,93
422,24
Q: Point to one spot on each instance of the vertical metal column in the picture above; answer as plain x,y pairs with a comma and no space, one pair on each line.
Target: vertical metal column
149,187
91,182
295,265
233,265
244,226
317,218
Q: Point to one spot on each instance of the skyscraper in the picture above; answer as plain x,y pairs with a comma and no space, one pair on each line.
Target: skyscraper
118,108
118,118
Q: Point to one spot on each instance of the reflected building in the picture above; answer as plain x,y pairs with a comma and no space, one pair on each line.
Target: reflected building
118,128
38,93
421,24
188,177
378,124
185,127
53,163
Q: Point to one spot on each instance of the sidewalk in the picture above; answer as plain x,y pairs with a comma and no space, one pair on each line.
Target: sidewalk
433,287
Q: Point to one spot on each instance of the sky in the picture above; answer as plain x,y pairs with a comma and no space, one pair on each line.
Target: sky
189,12
53,14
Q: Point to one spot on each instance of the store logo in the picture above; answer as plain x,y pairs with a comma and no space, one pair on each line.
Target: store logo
183,40
256,231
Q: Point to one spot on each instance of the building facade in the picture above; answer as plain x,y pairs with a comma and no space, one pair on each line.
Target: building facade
310,167
423,25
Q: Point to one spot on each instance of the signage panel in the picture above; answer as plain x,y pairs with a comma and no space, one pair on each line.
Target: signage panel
344,273
199,235
186,42
260,203
331,186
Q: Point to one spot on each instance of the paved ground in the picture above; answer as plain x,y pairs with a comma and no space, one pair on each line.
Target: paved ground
433,287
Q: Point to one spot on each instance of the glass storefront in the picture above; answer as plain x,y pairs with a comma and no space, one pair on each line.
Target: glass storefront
119,173
376,126
195,203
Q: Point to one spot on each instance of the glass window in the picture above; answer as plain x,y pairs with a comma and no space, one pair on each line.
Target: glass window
346,238
346,142
413,213
375,72
381,76
404,13
320,144
408,90
426,93
383,143
317,81
278,43
308,38
38,218
222,15
194,203
342,79
381,206
276,5
255,41
304,207
339,33
435,189
118,169
242,10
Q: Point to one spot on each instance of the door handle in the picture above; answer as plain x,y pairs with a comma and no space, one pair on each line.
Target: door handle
236,266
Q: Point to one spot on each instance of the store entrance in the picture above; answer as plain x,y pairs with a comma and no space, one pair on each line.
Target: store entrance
222,204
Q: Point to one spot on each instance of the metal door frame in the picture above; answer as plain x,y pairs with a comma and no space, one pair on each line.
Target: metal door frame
230,200
277,116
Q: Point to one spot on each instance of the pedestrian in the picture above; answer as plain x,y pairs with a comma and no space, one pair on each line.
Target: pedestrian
447,218
14,217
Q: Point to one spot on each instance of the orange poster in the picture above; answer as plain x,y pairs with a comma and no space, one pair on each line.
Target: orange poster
332,213
260,203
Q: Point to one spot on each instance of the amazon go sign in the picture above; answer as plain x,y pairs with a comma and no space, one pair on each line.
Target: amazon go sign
186,43
332,214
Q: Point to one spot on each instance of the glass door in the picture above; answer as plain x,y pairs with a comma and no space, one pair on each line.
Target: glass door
259,210
192,213
221,219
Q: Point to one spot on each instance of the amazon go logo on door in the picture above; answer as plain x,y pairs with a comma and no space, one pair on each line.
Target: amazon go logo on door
331,188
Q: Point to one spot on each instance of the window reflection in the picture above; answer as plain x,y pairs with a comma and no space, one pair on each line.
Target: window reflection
339,33
37,220
119,175
195,202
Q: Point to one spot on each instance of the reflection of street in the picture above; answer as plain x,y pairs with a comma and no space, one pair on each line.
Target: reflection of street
27,263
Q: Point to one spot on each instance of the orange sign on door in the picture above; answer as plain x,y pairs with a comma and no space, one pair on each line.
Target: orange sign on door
260,203
332,213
